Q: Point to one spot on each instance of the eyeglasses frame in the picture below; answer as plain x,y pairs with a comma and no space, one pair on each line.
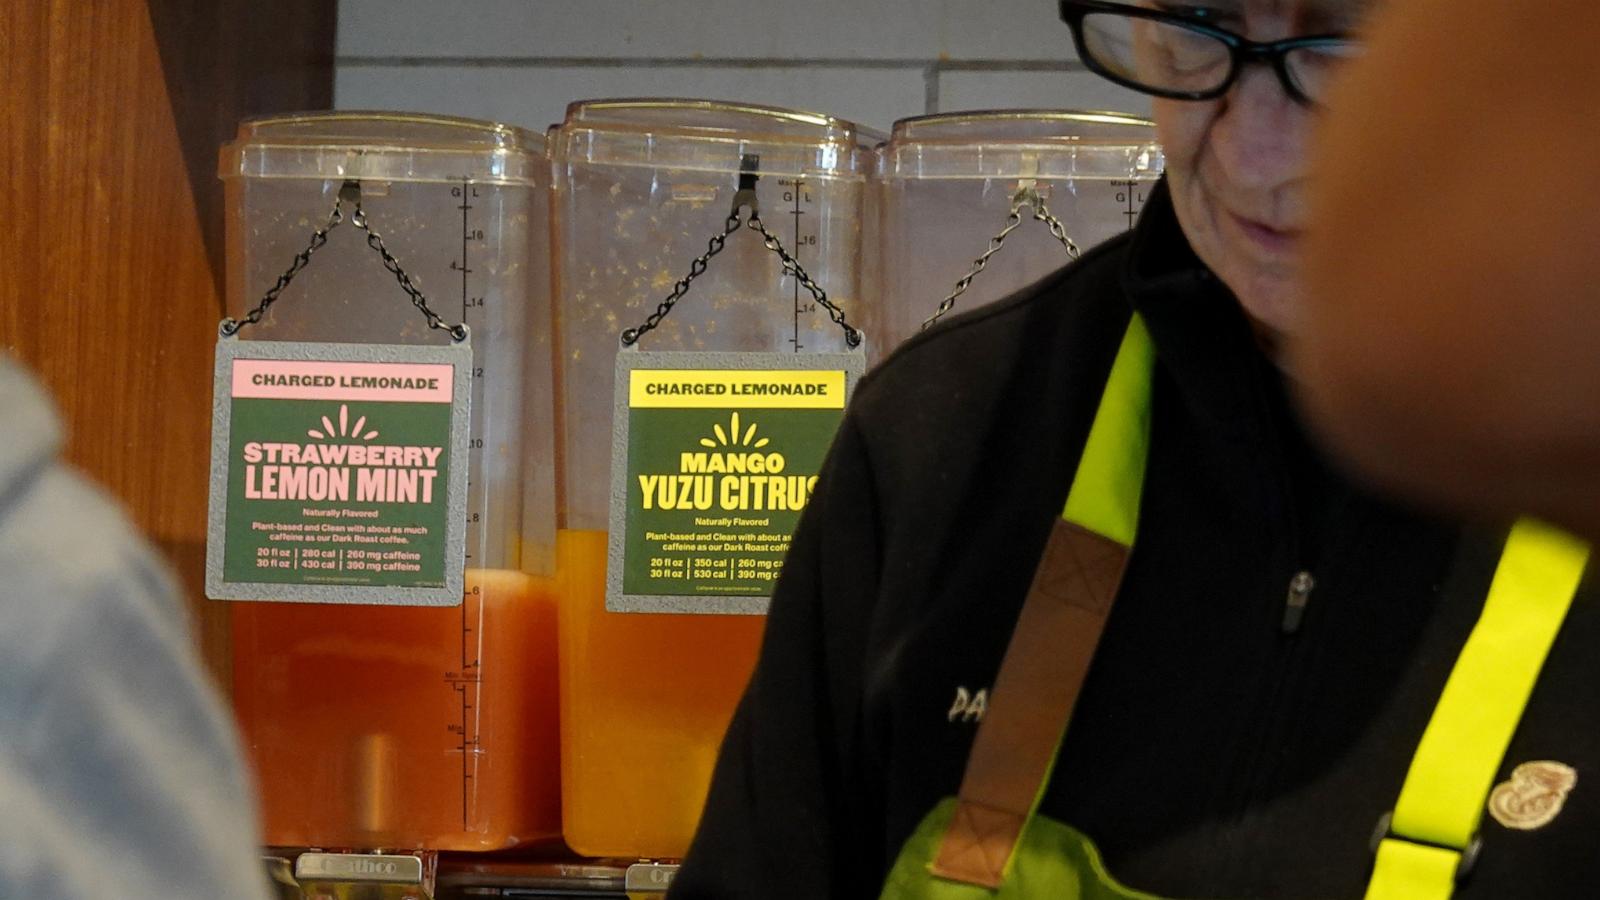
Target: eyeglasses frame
1241,50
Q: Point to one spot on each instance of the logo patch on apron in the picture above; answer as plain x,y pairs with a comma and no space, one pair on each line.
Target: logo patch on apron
1534,795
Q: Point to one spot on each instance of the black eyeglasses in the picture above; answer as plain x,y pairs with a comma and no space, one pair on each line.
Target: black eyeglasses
1171,55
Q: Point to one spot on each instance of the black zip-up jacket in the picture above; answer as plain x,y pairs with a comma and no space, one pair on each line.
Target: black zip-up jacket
1212,754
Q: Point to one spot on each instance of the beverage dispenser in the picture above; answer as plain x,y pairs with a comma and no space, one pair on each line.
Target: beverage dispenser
975,205
653,248
379,726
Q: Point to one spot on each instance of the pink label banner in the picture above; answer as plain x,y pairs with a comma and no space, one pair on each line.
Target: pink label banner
281,379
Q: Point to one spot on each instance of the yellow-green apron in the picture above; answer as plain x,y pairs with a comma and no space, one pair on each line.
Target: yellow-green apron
991,843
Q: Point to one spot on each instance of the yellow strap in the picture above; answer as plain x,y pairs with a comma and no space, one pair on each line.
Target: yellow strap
1110,479
1408,871
1443,797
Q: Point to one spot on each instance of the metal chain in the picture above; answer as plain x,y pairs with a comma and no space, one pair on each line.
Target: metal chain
978,265
852,337
1026,196
458,332
350,191
791,266
630,336
231,326
1057,230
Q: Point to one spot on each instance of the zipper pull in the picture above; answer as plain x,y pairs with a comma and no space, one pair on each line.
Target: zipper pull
1294,608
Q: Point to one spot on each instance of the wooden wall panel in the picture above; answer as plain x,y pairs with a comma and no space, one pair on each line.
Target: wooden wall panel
113,111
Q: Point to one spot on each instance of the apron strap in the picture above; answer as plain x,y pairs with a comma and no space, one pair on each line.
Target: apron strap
1056,634
1431,839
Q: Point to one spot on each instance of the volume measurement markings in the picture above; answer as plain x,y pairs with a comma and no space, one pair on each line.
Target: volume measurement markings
1131,198
468,679
467,682
466,205
469,744
797,212
797,194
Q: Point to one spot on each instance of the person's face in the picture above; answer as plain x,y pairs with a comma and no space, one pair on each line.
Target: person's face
1236,165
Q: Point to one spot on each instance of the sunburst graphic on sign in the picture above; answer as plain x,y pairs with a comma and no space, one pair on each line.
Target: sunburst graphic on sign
345,429
732,438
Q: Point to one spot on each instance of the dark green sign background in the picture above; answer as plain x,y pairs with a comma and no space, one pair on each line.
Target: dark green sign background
738,558
335,549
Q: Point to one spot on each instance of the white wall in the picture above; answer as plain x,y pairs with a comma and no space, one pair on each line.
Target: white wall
871,61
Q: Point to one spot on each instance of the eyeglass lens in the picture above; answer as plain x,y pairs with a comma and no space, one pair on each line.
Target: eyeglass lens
1168,57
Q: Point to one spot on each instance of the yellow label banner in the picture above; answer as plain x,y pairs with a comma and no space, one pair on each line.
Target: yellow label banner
743,388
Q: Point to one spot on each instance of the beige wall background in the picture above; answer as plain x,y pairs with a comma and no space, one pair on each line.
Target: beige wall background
870,61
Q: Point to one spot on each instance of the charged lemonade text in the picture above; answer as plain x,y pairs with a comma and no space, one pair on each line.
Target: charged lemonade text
733,482
364,382
740,389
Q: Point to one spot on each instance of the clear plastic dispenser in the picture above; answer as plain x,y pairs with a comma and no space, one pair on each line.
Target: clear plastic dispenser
975,205
409,728
641,187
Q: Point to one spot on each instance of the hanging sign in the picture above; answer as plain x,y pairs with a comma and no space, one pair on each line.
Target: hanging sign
714,458
338,472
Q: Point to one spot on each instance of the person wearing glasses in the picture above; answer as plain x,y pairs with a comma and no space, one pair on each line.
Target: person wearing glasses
1077,609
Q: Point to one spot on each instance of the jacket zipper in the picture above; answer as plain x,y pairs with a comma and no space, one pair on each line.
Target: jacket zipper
1294,608
1283,670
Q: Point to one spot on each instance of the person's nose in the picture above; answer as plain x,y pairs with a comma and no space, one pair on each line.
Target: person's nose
1259,137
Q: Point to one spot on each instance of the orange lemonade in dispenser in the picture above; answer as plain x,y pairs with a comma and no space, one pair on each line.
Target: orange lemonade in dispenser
640,186
403,727
376,726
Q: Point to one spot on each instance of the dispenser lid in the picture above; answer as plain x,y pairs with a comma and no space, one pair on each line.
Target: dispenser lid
711,136
1022,143
384,146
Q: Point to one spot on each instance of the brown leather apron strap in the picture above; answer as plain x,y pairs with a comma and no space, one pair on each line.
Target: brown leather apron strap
1031,703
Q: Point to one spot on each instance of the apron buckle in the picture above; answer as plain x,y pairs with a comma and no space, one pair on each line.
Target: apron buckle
1468,855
